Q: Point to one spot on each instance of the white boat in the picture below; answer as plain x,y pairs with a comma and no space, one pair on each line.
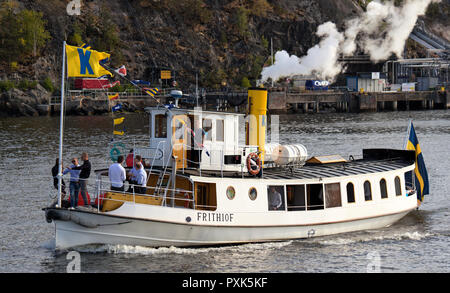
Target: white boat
205,188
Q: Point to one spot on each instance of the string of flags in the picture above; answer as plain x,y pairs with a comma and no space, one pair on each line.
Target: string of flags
113,97
152,92
117,107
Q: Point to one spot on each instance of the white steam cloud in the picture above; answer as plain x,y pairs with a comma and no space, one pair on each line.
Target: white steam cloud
380,32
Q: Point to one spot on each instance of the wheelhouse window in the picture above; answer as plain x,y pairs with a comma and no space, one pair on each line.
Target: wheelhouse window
219,130
350,192
383,188
333,195
296,197
160,126
398,186
207,127
276,198
314,196
367,191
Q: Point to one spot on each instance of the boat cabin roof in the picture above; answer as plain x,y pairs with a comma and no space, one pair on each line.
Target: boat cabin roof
313,171
373,161
182,111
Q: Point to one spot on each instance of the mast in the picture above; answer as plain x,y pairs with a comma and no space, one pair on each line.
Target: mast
271,55
61,125
407,135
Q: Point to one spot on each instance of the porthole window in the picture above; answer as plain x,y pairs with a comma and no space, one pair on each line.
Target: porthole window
252,193
231,192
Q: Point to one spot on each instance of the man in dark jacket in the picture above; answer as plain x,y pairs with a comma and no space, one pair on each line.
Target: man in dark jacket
84,175
55,171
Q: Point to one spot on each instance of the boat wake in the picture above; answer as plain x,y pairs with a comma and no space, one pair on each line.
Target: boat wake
369,236
142,250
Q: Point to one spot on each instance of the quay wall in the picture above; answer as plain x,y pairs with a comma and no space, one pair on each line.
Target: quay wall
297,102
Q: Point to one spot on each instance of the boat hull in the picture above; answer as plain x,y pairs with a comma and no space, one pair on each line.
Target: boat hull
107,229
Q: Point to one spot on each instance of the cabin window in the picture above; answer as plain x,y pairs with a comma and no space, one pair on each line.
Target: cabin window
160,126
207,127
276,198
252,193
398,186
205,196
350,192
296,197
409,180
314,196
219,130
333,195
383,188
367,191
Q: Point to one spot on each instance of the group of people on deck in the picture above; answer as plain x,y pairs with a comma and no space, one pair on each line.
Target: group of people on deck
79,175
137,177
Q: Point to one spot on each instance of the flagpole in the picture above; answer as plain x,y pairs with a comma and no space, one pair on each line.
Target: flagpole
61,126
407,134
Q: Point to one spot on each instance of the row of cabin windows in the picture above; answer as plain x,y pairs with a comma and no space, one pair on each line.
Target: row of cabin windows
161,128
368,189
320,196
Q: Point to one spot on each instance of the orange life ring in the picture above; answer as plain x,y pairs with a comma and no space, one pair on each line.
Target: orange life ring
253,164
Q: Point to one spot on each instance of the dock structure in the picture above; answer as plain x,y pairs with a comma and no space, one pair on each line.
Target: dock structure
298,102
280,101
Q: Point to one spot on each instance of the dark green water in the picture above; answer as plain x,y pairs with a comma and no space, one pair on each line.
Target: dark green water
418,243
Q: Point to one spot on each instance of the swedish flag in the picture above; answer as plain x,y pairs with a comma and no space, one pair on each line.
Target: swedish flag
421,175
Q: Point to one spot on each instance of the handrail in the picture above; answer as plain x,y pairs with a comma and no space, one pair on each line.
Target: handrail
134,197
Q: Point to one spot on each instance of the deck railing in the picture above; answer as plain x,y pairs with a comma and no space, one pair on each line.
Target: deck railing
102,191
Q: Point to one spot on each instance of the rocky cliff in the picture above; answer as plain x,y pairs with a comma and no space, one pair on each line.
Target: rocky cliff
221,41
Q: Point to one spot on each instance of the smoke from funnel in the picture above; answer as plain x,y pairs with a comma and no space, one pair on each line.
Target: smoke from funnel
380,32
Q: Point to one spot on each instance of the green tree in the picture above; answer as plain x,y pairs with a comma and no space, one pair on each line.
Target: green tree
32,31
241,21
260,7
21,33
10,47
264,42
245,83
76,38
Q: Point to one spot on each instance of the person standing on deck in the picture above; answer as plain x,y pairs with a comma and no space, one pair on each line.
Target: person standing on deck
141,179
74,186
129,160
132,179
275,199
84,175
55,171
117,175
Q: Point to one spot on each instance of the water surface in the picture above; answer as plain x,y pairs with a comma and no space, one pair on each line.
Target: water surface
417,243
